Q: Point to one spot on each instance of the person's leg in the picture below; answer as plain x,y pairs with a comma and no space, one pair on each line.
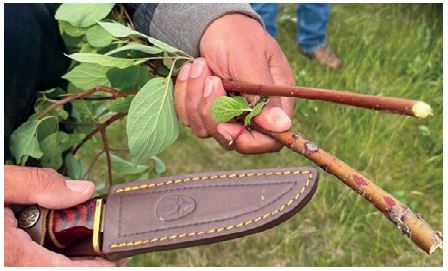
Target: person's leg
312,21
268,13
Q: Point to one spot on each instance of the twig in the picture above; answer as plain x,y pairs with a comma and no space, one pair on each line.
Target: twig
97,157
407,221
123,9
98,129
395,105
115,94
107,152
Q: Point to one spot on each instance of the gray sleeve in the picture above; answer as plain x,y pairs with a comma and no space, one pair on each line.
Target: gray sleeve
182,25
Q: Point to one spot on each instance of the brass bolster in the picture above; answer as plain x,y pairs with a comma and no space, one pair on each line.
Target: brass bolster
97,226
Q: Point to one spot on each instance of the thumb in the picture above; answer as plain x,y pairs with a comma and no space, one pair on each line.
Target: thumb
45,187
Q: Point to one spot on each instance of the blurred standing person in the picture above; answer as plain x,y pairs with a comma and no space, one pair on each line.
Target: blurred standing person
312,21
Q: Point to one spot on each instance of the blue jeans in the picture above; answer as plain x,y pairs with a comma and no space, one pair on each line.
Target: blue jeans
312,21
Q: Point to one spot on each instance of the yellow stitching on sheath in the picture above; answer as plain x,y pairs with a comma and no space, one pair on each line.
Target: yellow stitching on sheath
142,242
143,186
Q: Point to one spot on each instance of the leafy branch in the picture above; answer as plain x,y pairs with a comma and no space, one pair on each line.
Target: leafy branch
117,73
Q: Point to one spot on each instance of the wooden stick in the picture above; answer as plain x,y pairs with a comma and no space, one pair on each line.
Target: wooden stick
404,218
395,105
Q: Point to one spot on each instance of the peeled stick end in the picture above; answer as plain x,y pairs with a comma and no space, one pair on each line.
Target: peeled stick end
422,110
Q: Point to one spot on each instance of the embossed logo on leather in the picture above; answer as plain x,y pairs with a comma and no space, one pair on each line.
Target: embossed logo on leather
173,207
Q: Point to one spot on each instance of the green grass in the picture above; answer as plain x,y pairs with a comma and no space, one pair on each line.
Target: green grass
387,49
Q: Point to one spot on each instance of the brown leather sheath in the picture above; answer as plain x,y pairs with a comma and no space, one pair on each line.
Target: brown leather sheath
197,209
173,212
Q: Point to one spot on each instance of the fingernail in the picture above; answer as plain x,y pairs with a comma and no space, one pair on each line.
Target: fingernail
184,72
208,89
223,131
198,67
278,117
78,185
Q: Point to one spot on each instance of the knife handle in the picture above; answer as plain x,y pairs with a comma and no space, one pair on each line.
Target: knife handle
67,231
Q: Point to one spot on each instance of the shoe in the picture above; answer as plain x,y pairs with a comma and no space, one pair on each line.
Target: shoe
327,57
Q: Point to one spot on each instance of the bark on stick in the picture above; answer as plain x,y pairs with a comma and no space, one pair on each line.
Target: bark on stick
395,105
401,215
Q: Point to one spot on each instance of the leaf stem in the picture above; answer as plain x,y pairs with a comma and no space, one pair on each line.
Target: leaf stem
80,95
97,157
107,152
98,129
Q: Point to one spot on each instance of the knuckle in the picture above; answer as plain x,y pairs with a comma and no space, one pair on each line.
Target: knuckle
44,178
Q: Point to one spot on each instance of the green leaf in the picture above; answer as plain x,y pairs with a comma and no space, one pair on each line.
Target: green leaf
87,75
103,60
136,47
152,122
255,111
162,45
226,108
24,141
71,30
43,104
75,168
52,93
98,37
47,126
54,145
120,105
82,15
132,78
159,165
124,167
120,31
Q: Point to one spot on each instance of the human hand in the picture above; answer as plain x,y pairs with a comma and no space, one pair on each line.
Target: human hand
234,47
47,188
